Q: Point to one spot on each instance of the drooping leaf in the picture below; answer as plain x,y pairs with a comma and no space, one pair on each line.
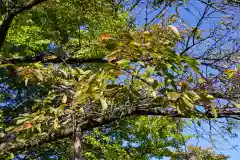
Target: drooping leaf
103,104
214,111
187,102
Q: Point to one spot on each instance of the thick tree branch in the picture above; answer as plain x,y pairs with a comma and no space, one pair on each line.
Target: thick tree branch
43,59
4,27
92,123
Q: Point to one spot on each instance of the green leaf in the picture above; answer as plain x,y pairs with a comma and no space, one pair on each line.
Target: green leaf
9,128
236,104
187,97
210,97
92,78
11,156
55,123
193,64
123,62
64,73
5,65
22,120
104,104
38,127
96,95
187,102
194,96
39,75
146,34
214,112
1,134
64,98
229,129
201,80
136,44
199,123
230,73
153,93
112,46
173,96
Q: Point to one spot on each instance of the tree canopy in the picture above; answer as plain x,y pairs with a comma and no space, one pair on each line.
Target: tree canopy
106,79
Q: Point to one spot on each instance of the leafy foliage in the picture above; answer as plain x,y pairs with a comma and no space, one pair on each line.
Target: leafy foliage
116,71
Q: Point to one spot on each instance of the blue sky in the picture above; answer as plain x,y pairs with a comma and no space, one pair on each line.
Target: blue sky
221,144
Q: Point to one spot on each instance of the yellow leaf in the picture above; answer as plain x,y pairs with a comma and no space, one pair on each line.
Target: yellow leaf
210,97
214,112
39,75
229,71
123,62
64,99
104,104
55,123
202,80
146,33
26,82
193,95
111,57
187,102
173,96
236,104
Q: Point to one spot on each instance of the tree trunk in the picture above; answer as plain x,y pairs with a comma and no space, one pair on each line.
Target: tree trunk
4,27
77,147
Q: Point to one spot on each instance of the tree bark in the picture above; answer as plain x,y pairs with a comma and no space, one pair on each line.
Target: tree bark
4,27
77,146
92,123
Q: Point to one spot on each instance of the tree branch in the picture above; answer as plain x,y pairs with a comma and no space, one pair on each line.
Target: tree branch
4,27
92,123
53,60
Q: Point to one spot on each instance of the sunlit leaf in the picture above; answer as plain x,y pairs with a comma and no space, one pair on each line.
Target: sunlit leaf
173,96
104,104
11,156
64,98
2,134
175,31
214,111
194,96
210,97
55,123
123,62
20,121
236,104
26,82
187,102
